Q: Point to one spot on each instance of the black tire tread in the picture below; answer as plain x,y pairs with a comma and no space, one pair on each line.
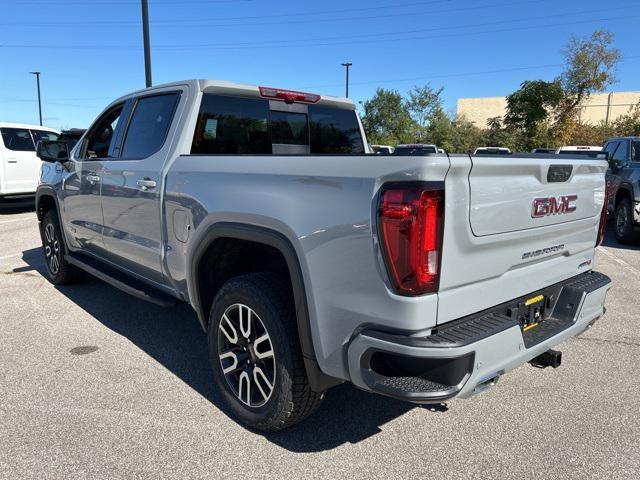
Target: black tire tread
629,235
303,401
68,273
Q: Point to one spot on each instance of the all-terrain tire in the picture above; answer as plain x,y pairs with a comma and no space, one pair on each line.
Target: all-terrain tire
624,222
266,299
59,271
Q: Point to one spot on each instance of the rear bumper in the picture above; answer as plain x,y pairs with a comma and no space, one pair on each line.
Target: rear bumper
466,356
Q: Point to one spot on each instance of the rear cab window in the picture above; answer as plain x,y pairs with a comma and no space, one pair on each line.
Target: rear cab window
289,128
334,130
416,151
244,125
232,125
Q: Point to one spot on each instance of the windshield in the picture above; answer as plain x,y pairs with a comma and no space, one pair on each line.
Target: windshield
414,150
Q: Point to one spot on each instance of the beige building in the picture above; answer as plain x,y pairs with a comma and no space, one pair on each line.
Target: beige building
601,107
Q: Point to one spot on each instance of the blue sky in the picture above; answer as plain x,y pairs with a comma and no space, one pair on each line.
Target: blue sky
89,52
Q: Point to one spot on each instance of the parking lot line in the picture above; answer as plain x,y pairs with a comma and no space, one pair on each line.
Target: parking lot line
618,260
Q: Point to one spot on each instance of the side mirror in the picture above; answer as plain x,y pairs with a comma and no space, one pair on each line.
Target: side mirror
52,151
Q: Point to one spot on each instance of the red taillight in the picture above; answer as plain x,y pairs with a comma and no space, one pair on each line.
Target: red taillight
410,222
289,96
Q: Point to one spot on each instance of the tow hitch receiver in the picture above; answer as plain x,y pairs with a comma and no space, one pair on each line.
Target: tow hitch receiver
550,358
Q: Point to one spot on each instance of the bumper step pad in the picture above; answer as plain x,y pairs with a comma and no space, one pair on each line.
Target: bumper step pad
405,379
412,384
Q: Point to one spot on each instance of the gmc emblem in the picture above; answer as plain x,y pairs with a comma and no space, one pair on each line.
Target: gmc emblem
543,207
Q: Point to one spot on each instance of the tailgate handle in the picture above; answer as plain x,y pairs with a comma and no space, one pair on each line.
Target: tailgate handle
559,173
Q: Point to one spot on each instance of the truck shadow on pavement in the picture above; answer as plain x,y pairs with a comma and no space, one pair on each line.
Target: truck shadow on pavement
610,240
8,206
174,338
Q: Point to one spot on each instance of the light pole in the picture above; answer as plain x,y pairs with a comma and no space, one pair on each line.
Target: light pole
37,74
347,65
145,39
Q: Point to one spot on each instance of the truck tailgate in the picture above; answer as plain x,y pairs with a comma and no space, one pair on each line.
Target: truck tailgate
509,194
496,247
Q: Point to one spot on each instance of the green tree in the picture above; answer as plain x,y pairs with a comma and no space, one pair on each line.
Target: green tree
498,136
453,134
591,64
532,104
628,124
424,103
386,119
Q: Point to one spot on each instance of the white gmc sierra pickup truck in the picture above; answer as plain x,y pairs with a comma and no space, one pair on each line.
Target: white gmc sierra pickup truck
310,261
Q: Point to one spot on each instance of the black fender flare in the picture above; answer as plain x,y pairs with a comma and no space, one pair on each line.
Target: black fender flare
206,236
48,191
624,189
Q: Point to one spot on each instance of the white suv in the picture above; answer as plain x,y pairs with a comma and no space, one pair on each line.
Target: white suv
19,165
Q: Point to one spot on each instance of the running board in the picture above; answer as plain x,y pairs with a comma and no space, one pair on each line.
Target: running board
121,280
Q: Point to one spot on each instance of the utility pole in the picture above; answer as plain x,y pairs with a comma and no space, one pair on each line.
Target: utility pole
37,74
347,65
145,39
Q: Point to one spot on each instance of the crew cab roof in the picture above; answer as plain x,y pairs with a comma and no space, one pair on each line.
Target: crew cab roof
224,87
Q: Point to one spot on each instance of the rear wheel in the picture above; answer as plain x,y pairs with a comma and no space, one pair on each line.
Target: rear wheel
59,271
624,222
255,353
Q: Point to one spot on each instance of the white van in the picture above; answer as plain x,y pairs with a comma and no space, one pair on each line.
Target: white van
19,166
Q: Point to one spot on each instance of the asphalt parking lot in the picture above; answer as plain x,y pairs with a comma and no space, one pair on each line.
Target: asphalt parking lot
97,384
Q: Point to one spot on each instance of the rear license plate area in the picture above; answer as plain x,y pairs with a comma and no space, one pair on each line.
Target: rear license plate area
531,312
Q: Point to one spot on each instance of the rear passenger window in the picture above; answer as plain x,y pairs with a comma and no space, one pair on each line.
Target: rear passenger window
232,125
289,128
334,130
17,139
149,125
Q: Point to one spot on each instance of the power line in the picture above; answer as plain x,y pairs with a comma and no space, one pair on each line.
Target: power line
248,17
407,32
204,21
388,40
244,17
46,102
453,75
217,46
132,3
369,82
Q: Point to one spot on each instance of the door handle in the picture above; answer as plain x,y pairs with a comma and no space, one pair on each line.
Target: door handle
92,178
146,184
12,160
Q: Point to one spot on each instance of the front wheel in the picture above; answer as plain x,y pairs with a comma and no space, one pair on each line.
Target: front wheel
59,271
255,353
